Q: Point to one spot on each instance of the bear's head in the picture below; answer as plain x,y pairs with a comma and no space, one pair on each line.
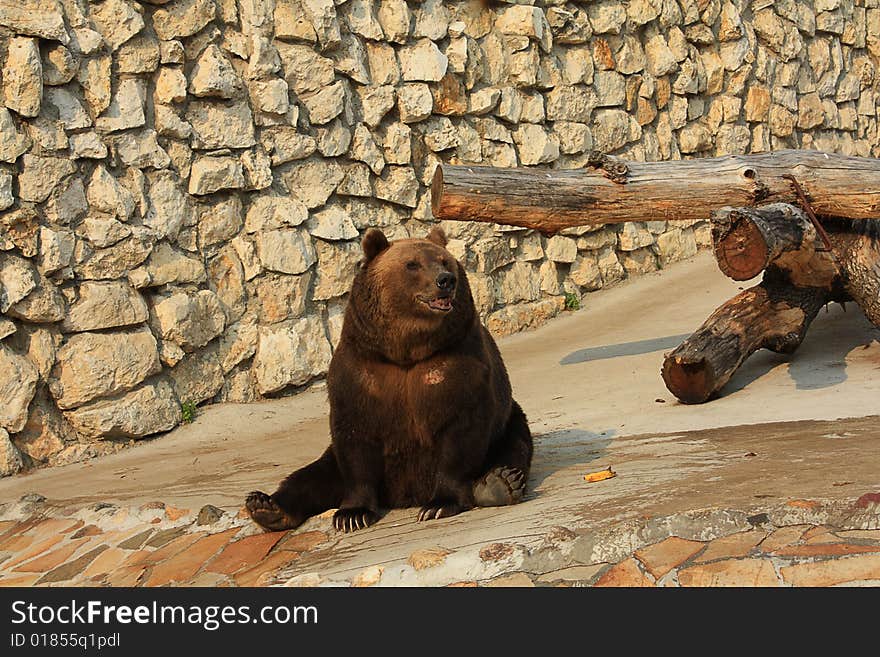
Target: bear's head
411,296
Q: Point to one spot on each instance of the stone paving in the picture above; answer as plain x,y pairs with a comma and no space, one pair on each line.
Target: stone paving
159,545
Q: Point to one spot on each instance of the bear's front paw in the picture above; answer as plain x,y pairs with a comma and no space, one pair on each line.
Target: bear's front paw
266,513
501,486
439,509
350,520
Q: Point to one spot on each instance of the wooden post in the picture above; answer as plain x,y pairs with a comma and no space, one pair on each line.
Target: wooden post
549,200
799,278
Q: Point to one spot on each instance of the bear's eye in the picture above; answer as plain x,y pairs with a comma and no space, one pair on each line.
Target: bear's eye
445,263
412,265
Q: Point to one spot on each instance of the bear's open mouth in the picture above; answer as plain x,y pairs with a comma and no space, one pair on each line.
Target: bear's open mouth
443,304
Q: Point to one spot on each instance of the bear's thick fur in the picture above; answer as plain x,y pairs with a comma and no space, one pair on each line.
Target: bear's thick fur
421,411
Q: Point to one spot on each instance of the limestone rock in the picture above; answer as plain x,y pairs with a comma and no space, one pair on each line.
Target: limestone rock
140,54
398,184
313,181
375,102
280,297
219,221
325,105
337,266
273,212
197,377
606,16
169,207
18,382
188,320
394,17
270,95
570,103
291,22
211,174
291,353
6,197
46,432
322,15
10,458
87,145
694,137
432,20
126,108
305,70
103,305
94,76
116,21
92,365
518,282
167,265
23,77
613,128
285,144
182,18
40,175
140,149
102,231
40,18
12,142
213,75
561,249
147,410
59,65
44,304
422,61
170,85
56,249
106,194
115,261
288,251
414,102
226,279
534,145
332,224
221,125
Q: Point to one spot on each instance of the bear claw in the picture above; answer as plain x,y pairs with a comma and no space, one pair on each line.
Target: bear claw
500,486
436,511
266,513
350,520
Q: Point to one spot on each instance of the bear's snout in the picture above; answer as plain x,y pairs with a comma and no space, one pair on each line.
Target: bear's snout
446,281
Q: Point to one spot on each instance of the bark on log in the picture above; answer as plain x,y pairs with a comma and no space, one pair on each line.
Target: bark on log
550,200
774,314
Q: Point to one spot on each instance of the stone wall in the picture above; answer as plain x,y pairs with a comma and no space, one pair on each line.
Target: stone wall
183,183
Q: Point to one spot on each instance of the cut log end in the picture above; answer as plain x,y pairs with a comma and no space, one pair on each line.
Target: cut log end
437,191
742,252
691,381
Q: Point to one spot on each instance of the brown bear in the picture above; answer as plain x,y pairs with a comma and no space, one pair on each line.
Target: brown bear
421,411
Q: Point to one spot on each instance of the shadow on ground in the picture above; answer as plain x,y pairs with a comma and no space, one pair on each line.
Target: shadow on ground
564,448
636,348
820,361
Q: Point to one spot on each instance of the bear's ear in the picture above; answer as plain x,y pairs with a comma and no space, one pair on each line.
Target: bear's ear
437,236
374,243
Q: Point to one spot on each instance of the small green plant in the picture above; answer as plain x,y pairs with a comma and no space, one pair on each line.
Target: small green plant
188,409
572,302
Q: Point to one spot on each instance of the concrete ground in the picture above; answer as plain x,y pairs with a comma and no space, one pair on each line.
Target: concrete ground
791,447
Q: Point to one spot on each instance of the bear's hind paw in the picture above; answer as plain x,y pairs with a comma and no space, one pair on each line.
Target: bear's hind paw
501,486
266,513
350,520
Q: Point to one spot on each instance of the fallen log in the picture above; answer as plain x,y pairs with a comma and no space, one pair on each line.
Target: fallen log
799,278
549,200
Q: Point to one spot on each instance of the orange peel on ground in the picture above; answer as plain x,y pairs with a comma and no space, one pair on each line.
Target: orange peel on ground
601,475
